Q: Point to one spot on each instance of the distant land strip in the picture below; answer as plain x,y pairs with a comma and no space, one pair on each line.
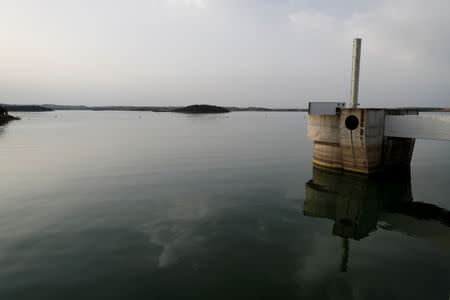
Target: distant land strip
52,107
159,108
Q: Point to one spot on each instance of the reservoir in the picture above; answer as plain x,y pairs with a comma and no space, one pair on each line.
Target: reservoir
144,205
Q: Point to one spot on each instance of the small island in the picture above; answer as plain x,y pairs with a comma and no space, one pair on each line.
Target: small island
201,109
5,117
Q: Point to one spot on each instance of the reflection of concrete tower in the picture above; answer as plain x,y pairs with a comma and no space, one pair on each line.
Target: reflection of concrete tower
356,203
352,201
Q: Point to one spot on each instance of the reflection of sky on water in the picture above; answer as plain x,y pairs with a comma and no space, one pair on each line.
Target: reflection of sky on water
162,217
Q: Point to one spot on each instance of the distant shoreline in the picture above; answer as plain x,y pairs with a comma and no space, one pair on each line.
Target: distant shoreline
159,108
53,107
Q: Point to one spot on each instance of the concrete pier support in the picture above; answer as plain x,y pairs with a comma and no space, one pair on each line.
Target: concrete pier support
353,140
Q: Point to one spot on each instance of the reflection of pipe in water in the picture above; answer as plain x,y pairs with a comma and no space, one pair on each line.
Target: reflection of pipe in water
344,260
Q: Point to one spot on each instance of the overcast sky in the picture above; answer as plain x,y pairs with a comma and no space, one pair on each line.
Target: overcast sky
275,53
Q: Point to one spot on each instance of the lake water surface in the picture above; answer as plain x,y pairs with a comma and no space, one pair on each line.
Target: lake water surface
142,205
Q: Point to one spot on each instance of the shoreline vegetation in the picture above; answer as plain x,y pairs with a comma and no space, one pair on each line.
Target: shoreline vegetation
201,108
7,118
4,116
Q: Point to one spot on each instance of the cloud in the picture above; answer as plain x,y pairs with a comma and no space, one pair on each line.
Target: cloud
307,21
242,53
405,47
405,32
198,4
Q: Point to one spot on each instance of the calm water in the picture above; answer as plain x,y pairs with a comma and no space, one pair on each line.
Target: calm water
107,205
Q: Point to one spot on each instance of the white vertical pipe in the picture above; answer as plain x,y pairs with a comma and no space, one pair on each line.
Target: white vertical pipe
355,72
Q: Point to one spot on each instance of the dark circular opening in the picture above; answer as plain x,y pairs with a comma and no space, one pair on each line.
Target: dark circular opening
351,122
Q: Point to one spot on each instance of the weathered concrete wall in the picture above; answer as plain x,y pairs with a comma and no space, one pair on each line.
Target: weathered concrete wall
325,131
328,154
324,128
359,147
